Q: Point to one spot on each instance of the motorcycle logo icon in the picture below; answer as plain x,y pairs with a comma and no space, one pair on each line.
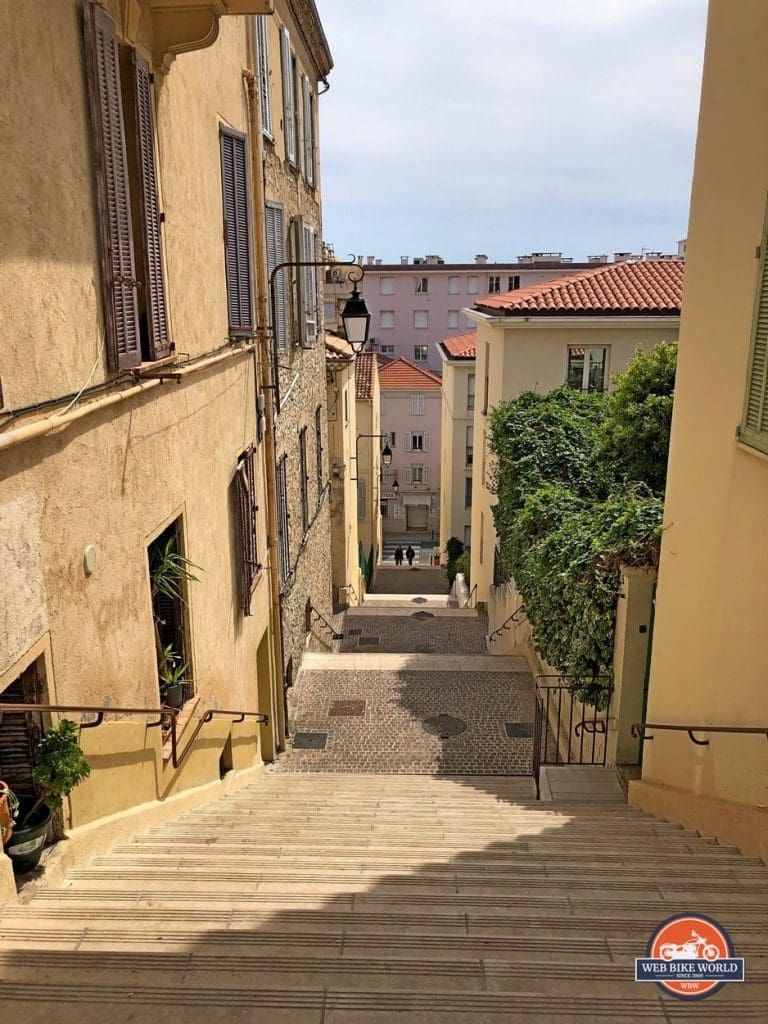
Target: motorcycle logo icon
690,956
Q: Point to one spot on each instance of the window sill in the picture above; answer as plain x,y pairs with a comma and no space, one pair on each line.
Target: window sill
148,368
751,450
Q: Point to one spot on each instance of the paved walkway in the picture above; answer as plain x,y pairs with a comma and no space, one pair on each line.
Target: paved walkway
420,631
405,579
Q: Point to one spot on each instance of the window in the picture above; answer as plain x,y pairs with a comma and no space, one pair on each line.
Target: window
237,231
467,536
346,406
494,283
485,381
453,318
482,536
386,286
586,369
167,564
304,480
304,248
453,286
361,499
470,392
420,353
319,450
283,521
421,318
289,97
467,492
754,424
513,282
473,284
469,324
261,49
387,318
391,438
422,285
387,350
469,445
309,130
123,125
417,474
275,243
417,442
384,509
417,405
250,566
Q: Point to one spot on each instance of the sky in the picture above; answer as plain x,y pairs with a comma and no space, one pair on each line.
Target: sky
504,127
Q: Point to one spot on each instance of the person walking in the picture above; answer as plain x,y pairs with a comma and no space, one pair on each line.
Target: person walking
398,555
410,554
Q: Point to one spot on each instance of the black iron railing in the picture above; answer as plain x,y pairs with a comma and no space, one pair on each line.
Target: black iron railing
639,729
316,616
514,620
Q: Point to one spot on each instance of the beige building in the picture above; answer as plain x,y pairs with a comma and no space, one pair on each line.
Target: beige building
710,643
457,437
576,330
134,417
374,484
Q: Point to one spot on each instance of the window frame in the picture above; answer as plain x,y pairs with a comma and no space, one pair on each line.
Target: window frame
391,281
238,324
388,313
423,326
585,370
422,286
494,284
261,48
250,566
287,62
457,289
453,319
421,353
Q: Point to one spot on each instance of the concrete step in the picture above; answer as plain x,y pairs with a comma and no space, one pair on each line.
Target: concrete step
318,662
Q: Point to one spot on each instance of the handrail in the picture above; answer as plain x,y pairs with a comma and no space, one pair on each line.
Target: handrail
638,730
326,623
469,599
506,624
167,715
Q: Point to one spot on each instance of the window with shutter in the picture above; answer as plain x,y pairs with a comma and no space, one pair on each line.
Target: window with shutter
119,285
309,254
425,474
319,449
427,442
237,231
261,49
283,521
250,566
361,499
275,242
754,424
309,131
304,480
407,474
289,104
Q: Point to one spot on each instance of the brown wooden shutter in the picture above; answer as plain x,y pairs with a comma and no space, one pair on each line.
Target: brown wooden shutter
246,498
237,232
157,314
121,313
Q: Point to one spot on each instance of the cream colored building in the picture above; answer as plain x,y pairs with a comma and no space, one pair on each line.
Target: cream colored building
457,437
134,409
375,485
579,330
710,642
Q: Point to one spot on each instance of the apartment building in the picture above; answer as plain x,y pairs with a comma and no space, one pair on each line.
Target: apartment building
410,417
457,447
577,330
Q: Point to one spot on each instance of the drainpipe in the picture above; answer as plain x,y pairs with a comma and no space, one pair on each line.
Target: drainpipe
261,366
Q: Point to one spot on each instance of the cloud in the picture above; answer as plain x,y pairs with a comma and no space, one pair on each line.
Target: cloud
453,124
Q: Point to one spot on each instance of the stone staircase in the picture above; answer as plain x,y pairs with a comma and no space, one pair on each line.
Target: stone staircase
368,899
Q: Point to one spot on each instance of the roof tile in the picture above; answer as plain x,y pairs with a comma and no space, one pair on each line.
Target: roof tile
365,373
400,373
460,346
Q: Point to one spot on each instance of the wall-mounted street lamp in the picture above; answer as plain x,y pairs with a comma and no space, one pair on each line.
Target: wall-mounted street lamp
386,451
396,487
355,317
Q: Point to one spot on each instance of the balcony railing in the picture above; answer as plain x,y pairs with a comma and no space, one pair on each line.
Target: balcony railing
468,455
470,403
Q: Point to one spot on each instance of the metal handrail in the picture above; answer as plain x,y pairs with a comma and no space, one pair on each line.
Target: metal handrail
638,730
469,599
326,623
506,624
165,715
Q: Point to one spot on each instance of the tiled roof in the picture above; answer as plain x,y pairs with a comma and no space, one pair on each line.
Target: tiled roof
338,349
400,373
461,346
365,374
643,288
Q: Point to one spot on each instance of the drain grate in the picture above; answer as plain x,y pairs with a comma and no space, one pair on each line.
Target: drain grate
444,726
347,708
418,600
354,632
519,730
368,641
425,648
310,740
422,616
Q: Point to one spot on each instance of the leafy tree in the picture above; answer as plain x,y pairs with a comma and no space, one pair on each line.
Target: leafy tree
454,549
635,434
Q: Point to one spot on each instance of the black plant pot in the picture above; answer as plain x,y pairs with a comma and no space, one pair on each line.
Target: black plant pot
173,697
25,847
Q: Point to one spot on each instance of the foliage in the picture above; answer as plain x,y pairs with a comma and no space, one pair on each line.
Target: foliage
454,549
60,766
635,436
171,670
168,571
462,565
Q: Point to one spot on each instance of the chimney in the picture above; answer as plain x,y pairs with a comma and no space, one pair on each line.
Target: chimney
404,261
481,258
371,260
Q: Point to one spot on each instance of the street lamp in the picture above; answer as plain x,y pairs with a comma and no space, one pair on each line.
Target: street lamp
356,320
395,487
386,451
386,456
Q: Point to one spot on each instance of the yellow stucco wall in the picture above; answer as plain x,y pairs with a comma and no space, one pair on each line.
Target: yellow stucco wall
455,419
342,431
369,422
710,645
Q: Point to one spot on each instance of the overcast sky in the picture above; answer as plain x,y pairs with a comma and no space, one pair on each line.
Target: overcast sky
506,126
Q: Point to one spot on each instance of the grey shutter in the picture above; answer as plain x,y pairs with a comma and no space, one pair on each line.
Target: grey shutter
407,474
309,141
246,500
409,442
361,499
427,442
289,107
154,278
754,430
310,287
275,241
121,314
425,474
298,314
237,232
262,61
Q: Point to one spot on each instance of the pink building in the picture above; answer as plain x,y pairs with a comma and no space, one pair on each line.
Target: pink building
411,405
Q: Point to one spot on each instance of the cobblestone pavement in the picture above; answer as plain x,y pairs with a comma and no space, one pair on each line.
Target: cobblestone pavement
405,579
419,632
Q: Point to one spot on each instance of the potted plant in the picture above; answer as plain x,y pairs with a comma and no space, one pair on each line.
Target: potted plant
169,571
173,677
60,766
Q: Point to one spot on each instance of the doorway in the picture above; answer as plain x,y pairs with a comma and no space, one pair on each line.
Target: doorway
416,517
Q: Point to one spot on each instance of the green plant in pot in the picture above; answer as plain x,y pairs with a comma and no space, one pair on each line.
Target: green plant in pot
173,677
60,766
169,571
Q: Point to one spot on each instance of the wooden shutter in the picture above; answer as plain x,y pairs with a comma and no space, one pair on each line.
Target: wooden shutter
425,474
309,254
407,474
237,232
262,60
298,313
121,314
154,278
275,242
754,429
309,141
289,107
361,499
409,442
427,442
246,499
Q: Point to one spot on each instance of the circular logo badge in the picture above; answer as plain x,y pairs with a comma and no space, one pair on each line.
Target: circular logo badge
690,937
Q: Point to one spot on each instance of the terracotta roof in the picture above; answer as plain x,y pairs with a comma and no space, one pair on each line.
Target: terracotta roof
400,373
338,349
461,346
643,288
365,374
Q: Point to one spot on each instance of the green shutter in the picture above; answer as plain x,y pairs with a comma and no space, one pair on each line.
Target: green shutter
754,427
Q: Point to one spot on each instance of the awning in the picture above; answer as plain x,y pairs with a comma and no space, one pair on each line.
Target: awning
417,499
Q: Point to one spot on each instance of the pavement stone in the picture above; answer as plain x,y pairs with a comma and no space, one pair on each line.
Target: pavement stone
414,633
405,579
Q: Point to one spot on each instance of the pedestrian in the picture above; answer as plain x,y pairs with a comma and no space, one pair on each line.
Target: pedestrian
398,555
410,554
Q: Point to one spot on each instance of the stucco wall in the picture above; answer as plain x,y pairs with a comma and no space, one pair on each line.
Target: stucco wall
369,422
455,418
342,430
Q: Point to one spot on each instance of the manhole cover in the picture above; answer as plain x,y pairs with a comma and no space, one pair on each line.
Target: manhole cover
418,600
354,632
425,648
310,740
519,730
347,708
368,641
422,615
444,726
